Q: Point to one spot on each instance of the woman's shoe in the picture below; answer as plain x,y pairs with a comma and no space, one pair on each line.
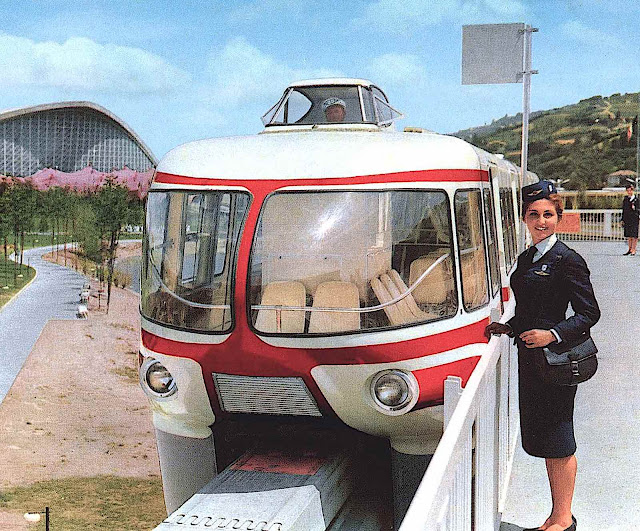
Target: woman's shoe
625,254
572,527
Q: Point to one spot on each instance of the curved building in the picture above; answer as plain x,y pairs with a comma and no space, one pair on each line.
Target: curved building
68,136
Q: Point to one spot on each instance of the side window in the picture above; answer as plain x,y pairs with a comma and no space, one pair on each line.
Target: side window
508,226
492,244
473,265
367,99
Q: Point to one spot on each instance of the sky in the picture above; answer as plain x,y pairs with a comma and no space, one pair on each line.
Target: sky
185,70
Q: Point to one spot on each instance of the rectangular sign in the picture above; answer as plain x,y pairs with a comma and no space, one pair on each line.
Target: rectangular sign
492,53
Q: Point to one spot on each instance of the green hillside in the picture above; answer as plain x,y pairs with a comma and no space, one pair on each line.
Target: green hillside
584,142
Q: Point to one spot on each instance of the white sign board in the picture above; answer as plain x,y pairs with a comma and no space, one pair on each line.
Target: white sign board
492,53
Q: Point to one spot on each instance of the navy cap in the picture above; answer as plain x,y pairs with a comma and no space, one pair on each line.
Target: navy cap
539,190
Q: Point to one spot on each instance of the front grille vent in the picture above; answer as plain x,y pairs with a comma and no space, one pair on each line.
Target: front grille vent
276,395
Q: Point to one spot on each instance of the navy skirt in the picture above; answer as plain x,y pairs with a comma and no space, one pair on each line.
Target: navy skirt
546,411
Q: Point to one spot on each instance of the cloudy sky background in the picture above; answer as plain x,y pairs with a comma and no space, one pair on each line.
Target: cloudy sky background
180,71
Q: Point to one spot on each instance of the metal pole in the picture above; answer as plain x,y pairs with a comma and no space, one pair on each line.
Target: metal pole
526,99
46,518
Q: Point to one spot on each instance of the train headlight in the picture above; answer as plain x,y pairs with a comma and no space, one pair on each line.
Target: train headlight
394,392
156,379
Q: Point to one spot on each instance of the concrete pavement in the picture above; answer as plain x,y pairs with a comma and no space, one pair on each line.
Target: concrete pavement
607,414
53,294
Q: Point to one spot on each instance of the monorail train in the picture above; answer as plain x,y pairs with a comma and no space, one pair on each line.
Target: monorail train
329,270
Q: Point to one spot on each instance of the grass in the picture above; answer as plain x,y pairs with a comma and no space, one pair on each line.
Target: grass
23,275
102,502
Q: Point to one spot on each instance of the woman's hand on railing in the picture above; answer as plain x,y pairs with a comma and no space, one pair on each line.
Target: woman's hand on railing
497,329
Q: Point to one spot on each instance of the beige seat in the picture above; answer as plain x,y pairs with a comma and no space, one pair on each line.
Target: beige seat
389,287
409,299
438,283
282,293
335,294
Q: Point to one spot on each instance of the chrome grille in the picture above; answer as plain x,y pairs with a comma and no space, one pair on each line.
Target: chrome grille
276,395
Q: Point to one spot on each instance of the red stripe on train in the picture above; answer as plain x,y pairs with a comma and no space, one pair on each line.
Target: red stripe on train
405,176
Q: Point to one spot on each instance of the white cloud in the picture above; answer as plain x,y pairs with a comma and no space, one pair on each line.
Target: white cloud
578,31
243,73
397,70
80,63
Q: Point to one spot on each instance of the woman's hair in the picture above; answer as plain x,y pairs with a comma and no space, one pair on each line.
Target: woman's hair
557,201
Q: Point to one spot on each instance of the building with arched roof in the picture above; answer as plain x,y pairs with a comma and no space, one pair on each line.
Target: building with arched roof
69,136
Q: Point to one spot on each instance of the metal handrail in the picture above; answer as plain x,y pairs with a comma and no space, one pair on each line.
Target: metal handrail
279,307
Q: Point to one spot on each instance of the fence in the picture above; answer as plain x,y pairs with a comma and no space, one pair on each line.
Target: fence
592,225
466,483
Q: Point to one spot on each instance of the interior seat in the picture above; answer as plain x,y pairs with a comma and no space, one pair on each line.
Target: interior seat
335,294
282,293
438,284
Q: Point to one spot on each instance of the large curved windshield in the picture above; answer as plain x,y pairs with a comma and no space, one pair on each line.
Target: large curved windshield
190,252
335,262
331,104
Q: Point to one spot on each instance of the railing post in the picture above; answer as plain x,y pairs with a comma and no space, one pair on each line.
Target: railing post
608,225
452,392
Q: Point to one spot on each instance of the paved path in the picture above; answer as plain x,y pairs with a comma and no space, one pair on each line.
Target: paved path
607,419
53,294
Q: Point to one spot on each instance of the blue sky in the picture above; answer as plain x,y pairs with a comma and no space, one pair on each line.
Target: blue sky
181,71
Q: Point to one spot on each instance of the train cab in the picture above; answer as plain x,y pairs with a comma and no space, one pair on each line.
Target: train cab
329,269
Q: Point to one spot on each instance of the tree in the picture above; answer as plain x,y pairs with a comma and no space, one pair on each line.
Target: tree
113,210
22,214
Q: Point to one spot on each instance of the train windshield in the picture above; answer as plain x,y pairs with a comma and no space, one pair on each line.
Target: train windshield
343,262
331,104
190,253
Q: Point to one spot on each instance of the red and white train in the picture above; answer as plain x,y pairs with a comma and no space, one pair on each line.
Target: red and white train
318,272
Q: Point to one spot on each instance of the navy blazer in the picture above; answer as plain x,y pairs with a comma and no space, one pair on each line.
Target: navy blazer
544,289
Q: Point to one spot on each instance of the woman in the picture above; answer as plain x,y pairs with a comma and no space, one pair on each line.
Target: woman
630,215
548,277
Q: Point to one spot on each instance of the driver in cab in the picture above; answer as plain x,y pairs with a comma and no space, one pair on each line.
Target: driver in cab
334,109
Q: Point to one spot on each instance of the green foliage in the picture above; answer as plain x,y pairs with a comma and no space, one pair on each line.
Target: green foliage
103,502
584,142
13,278
94,222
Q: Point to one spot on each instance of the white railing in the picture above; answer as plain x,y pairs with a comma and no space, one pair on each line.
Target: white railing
592,225
465,485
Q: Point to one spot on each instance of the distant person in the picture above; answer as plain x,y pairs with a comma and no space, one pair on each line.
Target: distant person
334,109
630,213
548,277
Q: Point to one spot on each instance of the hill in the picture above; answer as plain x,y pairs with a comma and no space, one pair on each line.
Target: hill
583,142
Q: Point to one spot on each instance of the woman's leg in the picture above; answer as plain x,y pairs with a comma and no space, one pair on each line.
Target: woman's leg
633,243
562,480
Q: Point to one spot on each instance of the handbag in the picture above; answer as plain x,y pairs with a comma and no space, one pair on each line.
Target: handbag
564,365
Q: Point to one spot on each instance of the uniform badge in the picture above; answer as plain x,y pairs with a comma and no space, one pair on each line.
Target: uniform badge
543,271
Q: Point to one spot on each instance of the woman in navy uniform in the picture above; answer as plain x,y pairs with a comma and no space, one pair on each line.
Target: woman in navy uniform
548,277
630,213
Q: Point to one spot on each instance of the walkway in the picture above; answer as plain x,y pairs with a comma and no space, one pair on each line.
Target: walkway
53,294
607,420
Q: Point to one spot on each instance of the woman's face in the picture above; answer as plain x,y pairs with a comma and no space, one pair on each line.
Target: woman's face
541,219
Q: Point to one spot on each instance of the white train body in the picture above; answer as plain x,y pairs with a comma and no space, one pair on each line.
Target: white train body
336,272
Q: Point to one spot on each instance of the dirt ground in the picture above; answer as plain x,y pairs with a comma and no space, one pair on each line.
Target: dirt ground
76,408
